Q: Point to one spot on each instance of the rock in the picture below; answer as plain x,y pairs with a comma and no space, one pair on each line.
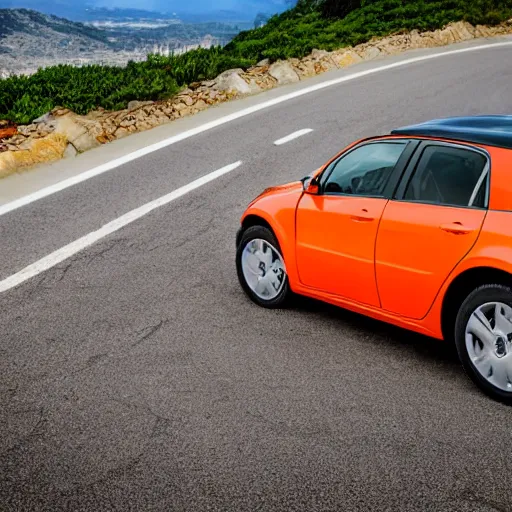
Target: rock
186,111
103,138
416,41
179,106
143,125
96,115
70,151
140,115
188,101
28,129
254,86
159,114
306,68
460,31
81,132
446,36
60,111
8,163
46,149
283,72
16,139
121,132
137,104
346,58
44,118
231,81
482,31
263,63
319,54
200,105
127,121
370,53
251,80
25,145
321,66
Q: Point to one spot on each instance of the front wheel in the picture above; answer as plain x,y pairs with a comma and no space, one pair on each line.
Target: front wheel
483,335
261,269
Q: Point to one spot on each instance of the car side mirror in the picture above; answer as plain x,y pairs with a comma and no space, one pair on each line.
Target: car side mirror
310,185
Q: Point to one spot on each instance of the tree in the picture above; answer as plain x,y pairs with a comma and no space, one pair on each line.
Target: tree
339,8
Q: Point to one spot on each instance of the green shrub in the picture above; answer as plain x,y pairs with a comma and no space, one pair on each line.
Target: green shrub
82,89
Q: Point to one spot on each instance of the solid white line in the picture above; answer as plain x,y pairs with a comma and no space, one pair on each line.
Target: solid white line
78,245
292,136
18,203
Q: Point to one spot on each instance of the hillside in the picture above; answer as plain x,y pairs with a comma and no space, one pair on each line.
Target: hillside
331,24
24,22
312,24
30,40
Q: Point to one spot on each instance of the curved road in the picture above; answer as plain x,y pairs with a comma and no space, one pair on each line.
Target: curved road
136,375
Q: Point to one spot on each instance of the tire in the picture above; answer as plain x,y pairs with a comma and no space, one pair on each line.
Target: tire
487,359
259,243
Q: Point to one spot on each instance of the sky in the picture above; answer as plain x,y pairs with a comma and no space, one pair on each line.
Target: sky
158,5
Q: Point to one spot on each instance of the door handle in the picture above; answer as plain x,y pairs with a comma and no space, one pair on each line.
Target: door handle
362,218
357,218
456,228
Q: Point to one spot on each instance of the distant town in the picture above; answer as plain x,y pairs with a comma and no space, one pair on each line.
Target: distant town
30,40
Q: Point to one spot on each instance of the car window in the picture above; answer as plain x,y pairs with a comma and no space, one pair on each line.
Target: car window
364,171
449,176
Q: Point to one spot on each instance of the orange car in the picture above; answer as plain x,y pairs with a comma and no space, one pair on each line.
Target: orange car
412,228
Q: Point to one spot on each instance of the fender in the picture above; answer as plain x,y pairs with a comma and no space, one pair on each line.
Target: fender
277,207
496,257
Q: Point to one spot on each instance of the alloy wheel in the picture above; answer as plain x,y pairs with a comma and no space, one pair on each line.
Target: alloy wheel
263,268
489,343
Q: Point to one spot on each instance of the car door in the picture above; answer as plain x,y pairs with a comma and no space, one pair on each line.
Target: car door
336,228
430,226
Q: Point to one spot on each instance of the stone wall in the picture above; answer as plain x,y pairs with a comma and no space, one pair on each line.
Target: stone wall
61,133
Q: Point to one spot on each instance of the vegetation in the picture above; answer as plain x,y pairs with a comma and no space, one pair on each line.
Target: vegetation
323,24
82,89
332,24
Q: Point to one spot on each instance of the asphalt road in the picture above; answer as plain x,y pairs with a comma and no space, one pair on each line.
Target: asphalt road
137,376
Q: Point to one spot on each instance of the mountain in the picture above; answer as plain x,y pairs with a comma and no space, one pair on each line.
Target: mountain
30,39
63,8
32,25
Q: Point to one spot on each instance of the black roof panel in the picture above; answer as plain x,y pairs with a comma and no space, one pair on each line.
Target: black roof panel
493,130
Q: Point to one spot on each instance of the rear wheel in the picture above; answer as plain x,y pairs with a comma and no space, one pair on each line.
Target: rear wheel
483,335
261,269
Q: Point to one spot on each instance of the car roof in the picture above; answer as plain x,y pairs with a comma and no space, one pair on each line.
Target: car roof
491,130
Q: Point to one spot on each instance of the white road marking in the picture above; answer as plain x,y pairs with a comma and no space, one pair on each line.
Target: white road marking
44,192
292,136
73,248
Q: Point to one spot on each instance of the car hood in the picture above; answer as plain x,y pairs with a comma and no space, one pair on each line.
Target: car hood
279,189
294,185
